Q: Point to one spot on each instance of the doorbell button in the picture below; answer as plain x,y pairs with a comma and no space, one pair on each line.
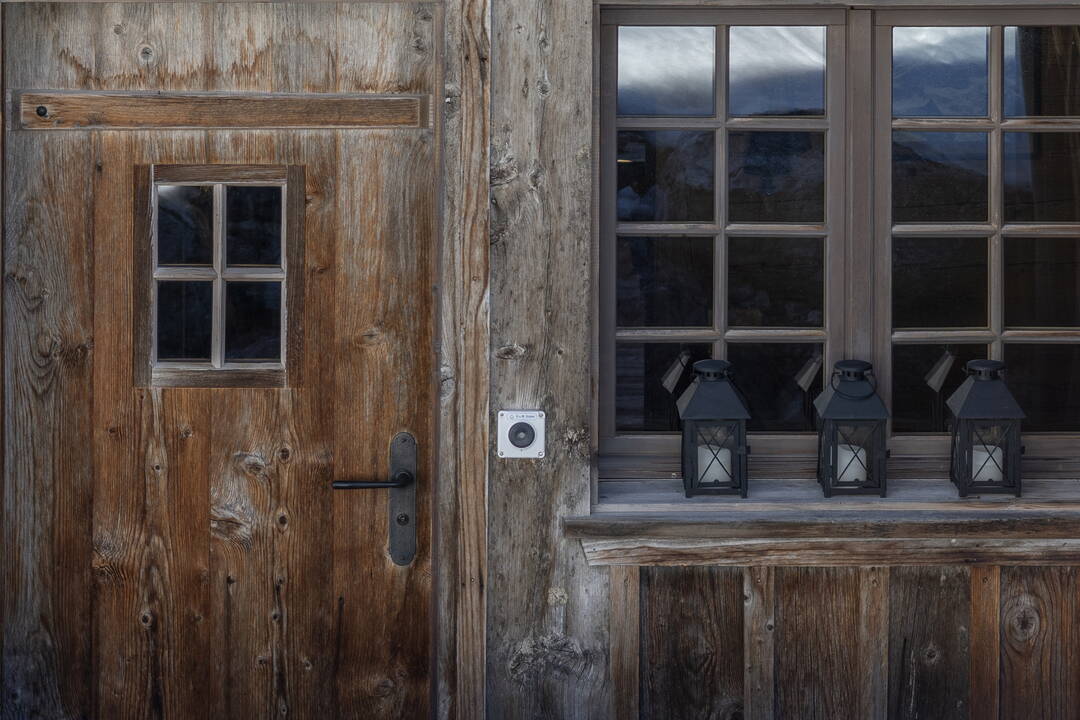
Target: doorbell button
521,434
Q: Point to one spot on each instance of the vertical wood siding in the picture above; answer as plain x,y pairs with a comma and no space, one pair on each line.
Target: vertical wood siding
179,552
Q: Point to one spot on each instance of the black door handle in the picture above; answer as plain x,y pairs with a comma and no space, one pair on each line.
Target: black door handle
402,479
402,500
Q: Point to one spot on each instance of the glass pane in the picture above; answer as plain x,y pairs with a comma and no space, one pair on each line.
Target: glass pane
939,282
776,71
184,324
649,377
253,321
664,281
253,226
776,282
939,71
1042,282
1045,379
939,177
924,377
776,176
666,70
1042,71
779,381
185,225
1041,183
666,175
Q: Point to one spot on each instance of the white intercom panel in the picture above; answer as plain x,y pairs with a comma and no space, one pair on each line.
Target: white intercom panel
521,434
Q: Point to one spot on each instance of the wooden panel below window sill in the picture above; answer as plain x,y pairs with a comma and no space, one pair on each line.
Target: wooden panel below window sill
788,522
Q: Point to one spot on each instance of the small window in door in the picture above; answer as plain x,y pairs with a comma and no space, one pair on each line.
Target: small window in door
218,291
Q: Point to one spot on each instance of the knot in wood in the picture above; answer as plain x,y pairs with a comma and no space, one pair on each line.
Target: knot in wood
146,53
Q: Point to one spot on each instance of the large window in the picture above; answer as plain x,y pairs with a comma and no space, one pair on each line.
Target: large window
784,189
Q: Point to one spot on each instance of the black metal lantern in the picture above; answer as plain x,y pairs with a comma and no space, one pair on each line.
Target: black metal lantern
714,419
852,422
986,419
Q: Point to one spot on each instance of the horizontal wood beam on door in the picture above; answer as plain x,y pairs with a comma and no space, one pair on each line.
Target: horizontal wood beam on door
58,110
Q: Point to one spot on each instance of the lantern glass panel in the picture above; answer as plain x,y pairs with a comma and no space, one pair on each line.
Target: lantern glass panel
989,442
855,450
715,452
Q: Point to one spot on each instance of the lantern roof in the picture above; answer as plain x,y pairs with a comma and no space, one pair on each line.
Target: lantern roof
712,396
850,394
984,395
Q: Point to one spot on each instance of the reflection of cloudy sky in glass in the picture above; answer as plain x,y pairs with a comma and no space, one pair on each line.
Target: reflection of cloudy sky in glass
669,70
777,70
939,71
666,70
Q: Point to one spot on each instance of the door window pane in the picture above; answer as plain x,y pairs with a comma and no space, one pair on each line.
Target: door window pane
664,281
184,320
1042,282
1041,182
649,378
253,226
939,282
779,381
666,70
253,321
776,176
939,177
940,71
185,224
776,71
666,175
924,377
1042,71
1045,379
776,282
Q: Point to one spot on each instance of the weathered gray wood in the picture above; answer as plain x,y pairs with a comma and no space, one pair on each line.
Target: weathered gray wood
547,610
846,552
464,379
692,643
929,642
874,642
759,643
624,628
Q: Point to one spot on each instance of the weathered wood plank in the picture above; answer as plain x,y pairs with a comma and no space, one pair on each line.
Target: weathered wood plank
624,628
844,552
817,664
43,110
1040,643
541,244
691,643
461,561
985,641
874,664
929,642
759,643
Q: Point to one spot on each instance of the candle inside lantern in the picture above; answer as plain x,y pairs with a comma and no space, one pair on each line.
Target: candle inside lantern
851,463
985,465
714,464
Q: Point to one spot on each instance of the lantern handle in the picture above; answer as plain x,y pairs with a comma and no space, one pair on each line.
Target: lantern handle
871,379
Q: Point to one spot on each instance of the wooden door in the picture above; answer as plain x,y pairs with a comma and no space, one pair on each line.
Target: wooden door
172,546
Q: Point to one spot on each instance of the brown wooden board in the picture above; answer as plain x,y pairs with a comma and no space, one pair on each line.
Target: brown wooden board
692,643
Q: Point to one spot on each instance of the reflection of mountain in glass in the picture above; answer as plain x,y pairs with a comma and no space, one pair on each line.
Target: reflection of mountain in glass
666,175
776,71
666,70
940,72
939,177
776,176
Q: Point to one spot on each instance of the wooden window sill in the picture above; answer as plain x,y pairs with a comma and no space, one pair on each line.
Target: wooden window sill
788,522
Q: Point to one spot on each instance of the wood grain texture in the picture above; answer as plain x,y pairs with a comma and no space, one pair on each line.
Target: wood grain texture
929,642
624,629
985,641
817,662
874,607
1040,649
547,633
209,586
759,643
464,380
42,110
692,643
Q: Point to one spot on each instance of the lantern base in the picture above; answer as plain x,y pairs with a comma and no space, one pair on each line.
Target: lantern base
722,490
829,490
966,489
